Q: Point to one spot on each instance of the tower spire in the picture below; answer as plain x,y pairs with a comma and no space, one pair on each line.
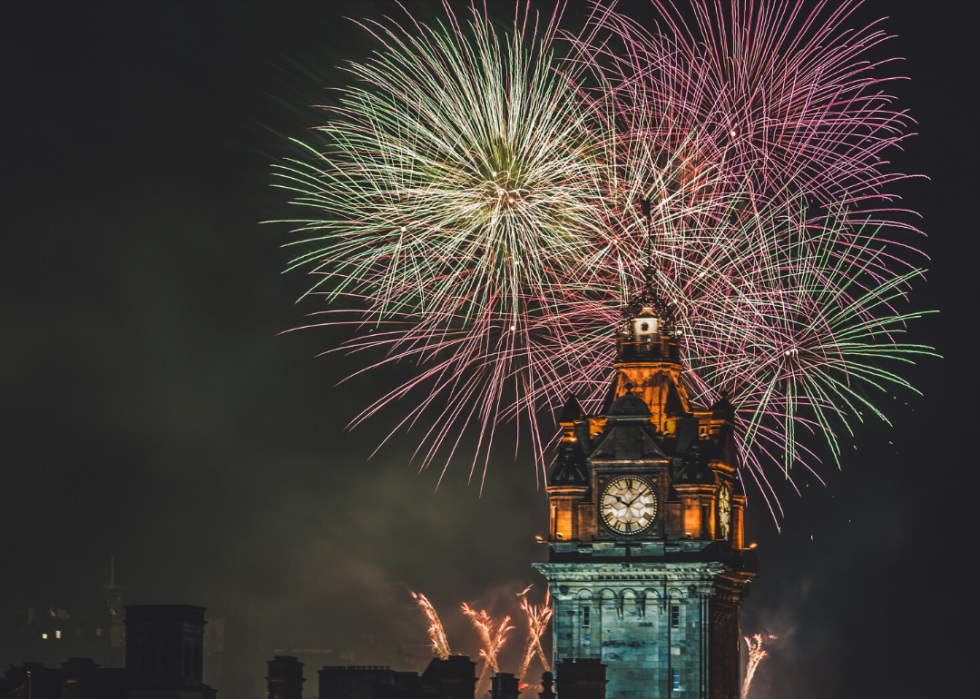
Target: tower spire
645,209
646,315
646,349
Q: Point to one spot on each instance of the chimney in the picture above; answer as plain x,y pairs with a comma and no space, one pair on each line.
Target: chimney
547,682
452,678
581,678
164,647
80,679
285,679
504,685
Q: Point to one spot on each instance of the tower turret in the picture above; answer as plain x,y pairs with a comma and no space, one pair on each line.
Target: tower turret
648,359
647,567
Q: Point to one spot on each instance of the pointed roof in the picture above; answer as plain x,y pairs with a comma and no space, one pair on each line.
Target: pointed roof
673,405
723,406
628,442
628,435
571,411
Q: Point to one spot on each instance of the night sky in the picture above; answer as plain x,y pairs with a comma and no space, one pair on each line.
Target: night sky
153,410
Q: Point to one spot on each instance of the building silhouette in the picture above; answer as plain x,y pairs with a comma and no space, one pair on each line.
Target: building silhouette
164,660
52,633
452,678
165,652
647,569
285,679
647,562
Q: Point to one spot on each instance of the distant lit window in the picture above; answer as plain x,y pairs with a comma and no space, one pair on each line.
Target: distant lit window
44,636
675,616
57,634
585,616
98,632
677,679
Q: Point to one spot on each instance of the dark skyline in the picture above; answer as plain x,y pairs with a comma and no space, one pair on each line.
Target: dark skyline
154,411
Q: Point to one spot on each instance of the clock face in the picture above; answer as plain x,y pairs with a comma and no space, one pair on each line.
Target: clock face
628,505
724,511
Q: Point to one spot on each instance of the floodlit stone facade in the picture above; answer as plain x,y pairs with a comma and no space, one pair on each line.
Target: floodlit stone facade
648,565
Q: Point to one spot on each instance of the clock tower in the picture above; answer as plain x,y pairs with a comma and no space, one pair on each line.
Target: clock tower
647,561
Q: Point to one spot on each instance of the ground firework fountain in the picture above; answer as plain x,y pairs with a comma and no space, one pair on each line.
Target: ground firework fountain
492,639
756,654
440,645
537,621
493,636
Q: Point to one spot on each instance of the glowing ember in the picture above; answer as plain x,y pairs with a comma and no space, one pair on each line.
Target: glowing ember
537,621
440,646
756,654
492,642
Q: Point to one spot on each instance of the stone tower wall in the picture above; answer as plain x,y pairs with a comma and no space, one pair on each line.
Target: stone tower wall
631,628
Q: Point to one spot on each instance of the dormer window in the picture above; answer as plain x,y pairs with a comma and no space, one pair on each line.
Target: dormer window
644,327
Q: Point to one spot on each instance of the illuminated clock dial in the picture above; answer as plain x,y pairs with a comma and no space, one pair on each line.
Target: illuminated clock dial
628,505
724,511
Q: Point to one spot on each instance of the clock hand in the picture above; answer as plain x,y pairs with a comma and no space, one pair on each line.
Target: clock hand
638,496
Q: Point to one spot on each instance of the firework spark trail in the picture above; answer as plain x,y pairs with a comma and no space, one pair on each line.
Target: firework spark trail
756,654
478,205
464,158
775,97
729,85
537,622
782,118
440,645
804,334
793,325
492,642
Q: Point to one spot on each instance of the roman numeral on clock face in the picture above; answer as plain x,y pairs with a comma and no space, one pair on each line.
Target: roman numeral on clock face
628,505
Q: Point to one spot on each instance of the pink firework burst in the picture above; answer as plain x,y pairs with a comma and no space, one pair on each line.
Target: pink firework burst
490,230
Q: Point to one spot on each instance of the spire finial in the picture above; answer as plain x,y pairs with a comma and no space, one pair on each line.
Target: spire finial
647,301
649,273
645,209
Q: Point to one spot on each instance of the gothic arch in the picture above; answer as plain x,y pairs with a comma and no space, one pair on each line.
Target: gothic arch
632,604
651,594
610,602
